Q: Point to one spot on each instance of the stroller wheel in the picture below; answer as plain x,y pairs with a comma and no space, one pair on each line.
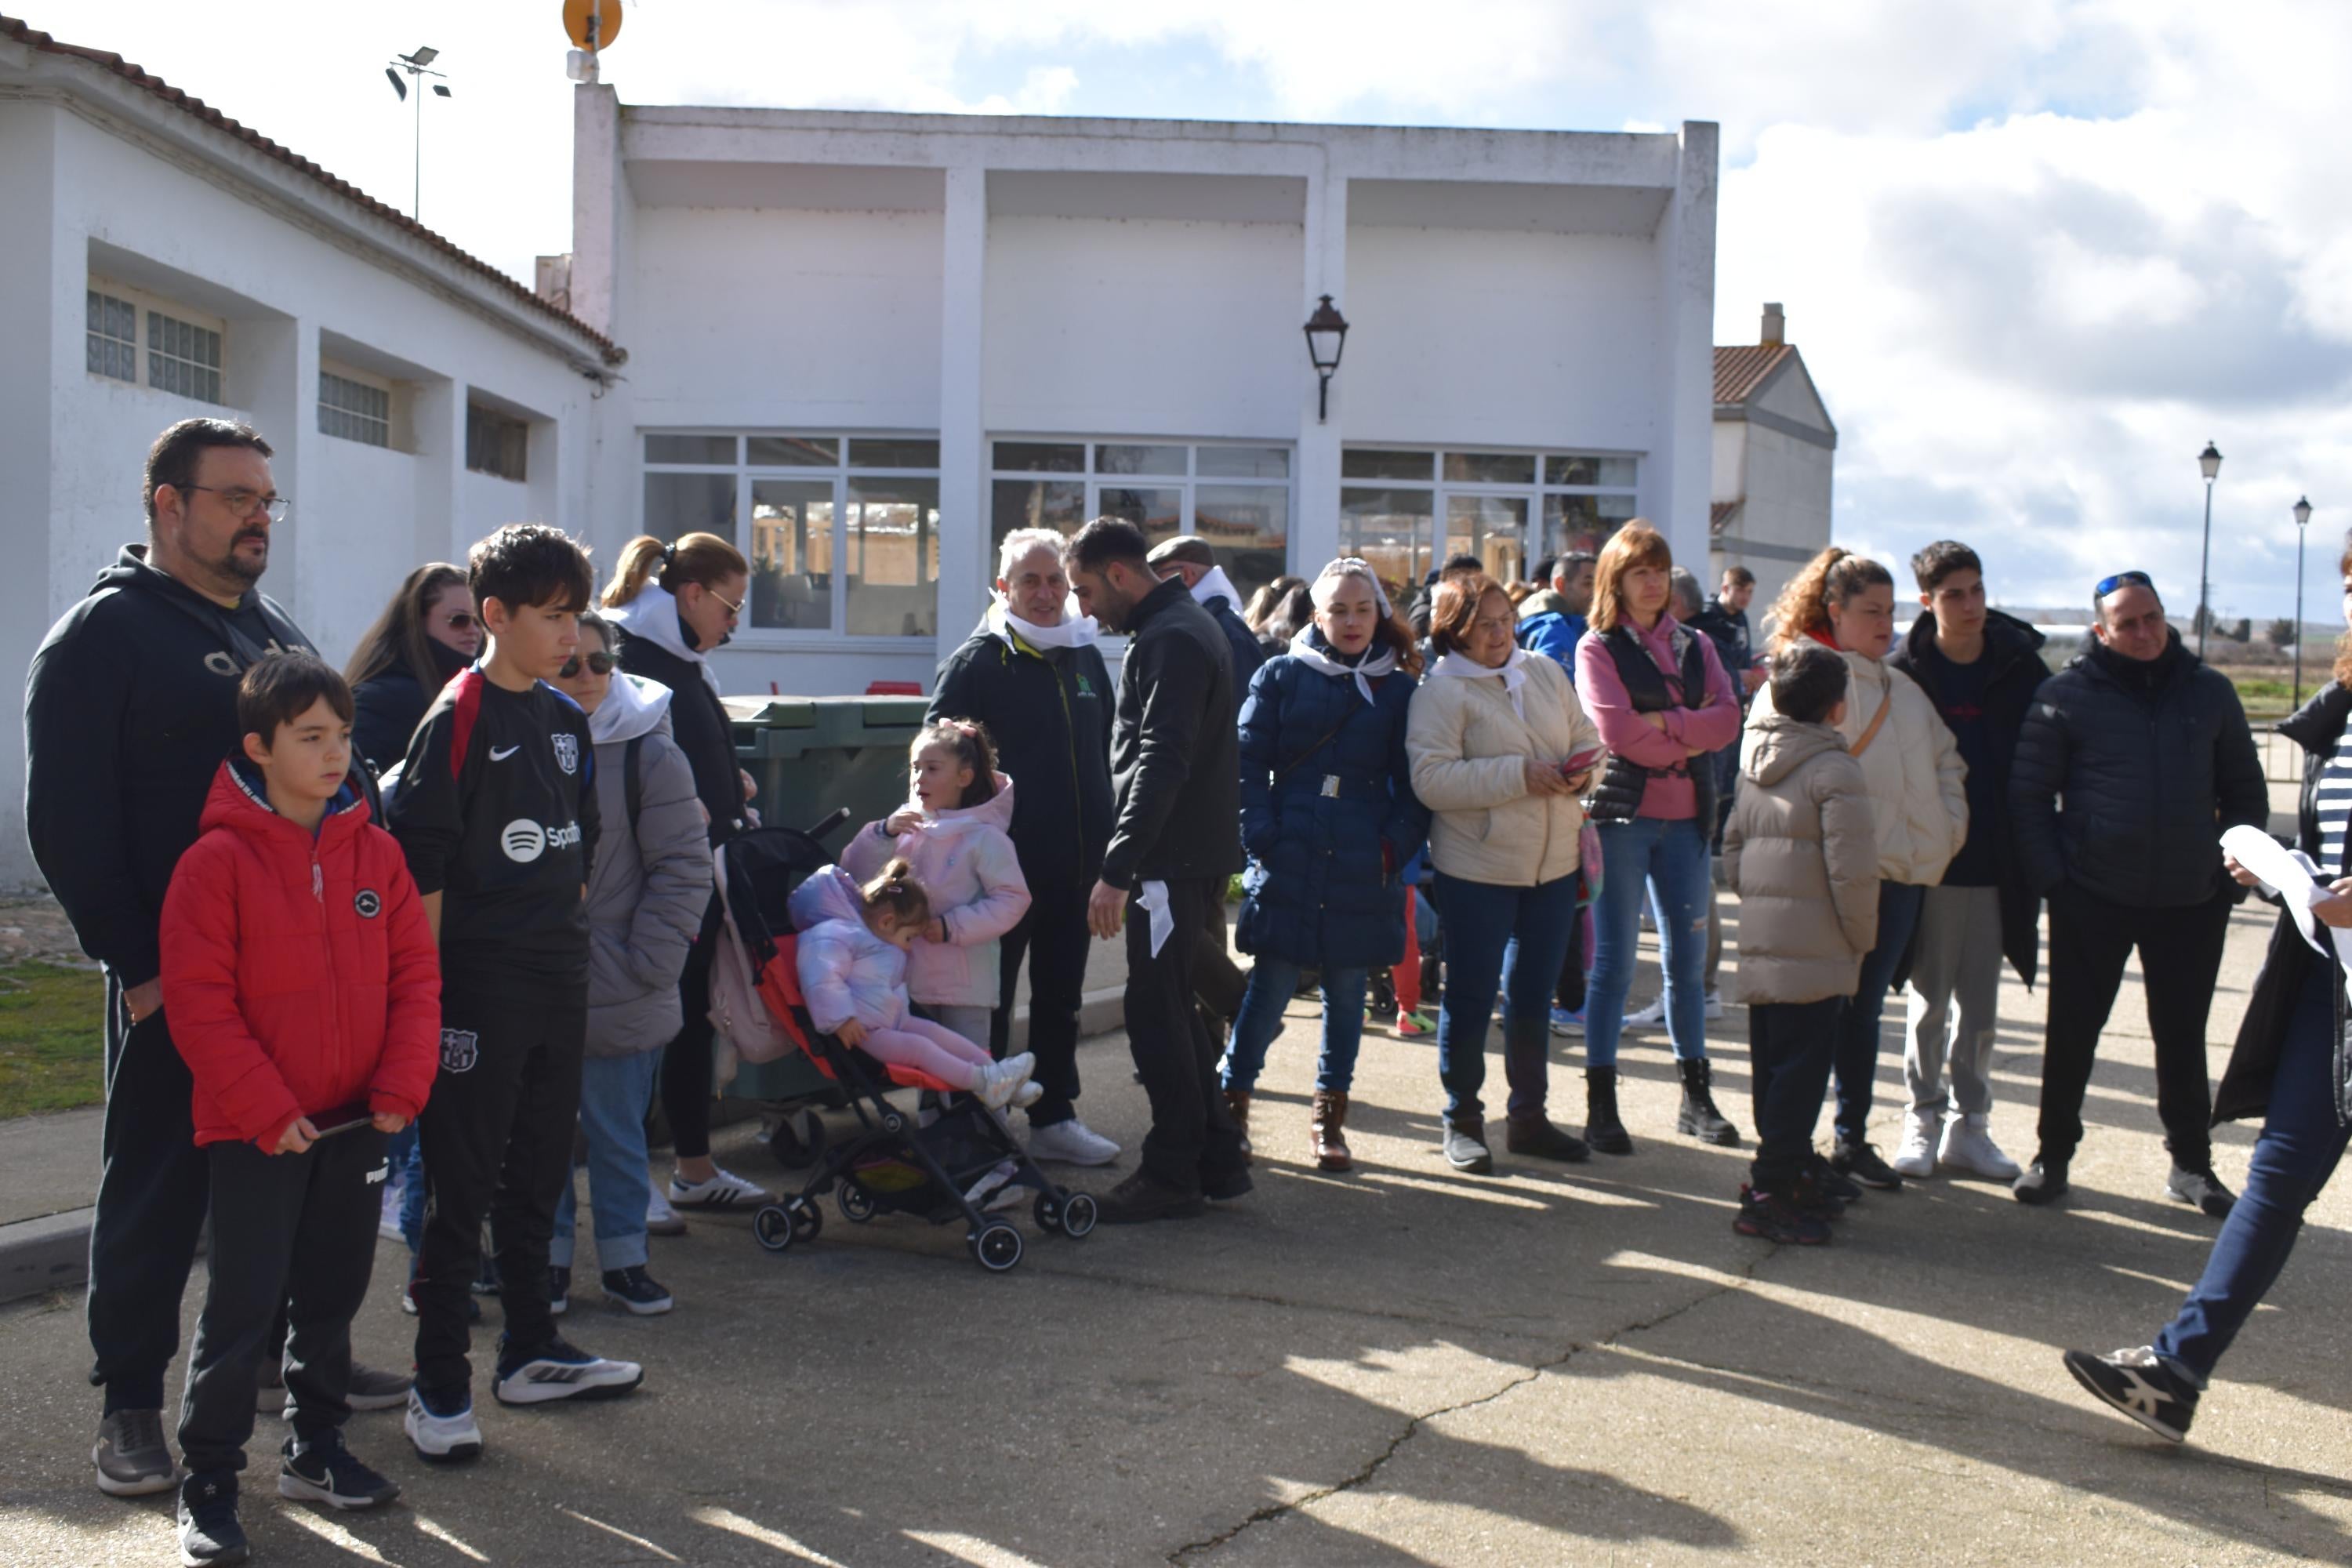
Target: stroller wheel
772,1228
998,1248
857,1203
1048,1212
1079,1216
806,1217
798,1142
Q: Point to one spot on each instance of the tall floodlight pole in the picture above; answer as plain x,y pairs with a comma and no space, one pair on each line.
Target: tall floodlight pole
2301,525
414,65
2209,460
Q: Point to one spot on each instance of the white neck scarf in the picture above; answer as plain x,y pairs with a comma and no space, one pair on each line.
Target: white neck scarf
1303,649
652,615
1072,631
1215,584
1514,675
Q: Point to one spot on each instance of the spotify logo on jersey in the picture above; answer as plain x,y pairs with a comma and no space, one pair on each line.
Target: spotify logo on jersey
523,840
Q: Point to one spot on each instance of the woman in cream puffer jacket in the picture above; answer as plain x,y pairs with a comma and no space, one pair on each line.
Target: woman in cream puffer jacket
1919,799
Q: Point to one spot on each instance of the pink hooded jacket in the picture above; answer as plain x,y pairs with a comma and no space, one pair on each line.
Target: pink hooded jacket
966,863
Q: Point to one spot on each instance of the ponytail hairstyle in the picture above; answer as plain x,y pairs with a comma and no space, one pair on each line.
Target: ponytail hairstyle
1832,577
703,558
895,893
968,739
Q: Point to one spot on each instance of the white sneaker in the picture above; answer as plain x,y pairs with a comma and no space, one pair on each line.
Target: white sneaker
1071,1142
660,1218
724,1190
562,1371
1713,1007
999,1081
1649,1017
1968,1146
1916,1158
445,1436
988,1193
1030,1093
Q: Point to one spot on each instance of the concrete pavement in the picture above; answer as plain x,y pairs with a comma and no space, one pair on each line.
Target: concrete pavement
1579,1365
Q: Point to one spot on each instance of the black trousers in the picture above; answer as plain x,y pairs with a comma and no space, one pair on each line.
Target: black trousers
1790,1046
1191,1136
1217,980
2179,959
1053,936
150,1207
685,1071
497,1136
293,1233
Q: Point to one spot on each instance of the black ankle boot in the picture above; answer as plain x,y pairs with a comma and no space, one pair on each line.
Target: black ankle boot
1698,1117
1602,1130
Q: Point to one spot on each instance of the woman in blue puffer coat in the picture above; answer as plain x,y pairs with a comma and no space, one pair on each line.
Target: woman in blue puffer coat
1328,817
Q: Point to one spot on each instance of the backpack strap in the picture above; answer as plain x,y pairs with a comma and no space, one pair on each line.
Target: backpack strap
633,786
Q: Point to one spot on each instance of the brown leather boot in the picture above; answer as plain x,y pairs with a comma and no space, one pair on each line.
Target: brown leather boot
1237,1106
1329,1130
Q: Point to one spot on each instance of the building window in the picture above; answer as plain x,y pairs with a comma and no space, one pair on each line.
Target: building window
113,341
355,410
1407,509
182,357
842,531
496,443
1234,495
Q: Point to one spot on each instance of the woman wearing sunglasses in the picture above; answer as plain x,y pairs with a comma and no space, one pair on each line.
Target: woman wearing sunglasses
426,636
674,603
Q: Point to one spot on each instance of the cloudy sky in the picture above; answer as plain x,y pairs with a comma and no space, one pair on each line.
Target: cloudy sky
2036,252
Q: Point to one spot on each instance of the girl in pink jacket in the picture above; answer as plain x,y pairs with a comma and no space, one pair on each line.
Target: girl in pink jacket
952,831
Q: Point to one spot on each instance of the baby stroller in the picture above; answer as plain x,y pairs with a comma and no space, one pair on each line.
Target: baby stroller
891,1166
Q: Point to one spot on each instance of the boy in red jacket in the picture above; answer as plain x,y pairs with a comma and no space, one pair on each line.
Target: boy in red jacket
304,989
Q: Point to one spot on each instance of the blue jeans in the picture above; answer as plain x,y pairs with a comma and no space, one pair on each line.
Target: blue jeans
614,1094
1481,921
404,1156
1857,1048
1272,984
1668,861
2297,1151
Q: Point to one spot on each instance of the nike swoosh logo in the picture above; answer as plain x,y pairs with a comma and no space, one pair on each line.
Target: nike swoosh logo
498,756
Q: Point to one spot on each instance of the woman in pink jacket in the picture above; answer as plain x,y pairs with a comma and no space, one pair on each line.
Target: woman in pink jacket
1663,703
953,831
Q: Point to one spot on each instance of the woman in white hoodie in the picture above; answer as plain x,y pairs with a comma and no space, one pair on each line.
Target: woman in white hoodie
1919,800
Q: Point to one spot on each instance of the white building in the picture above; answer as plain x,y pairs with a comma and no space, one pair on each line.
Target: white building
1775,449
160,261
865,346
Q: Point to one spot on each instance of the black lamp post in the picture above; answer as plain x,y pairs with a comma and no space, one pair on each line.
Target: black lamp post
1327,334
2301,525
416,66
2210,462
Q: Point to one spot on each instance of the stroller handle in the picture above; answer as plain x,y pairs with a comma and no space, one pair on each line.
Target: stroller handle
830,826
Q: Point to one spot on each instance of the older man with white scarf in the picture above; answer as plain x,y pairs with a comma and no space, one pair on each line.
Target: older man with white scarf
1032,674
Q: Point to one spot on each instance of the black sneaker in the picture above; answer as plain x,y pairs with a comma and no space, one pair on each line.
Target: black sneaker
2139,1384
1466,1148
323,1471
1859,1162
1144,1196
636,1290
1810,1198
1775,1219
1828,1182
2044,1183
209,1531
130,1455
558,1291
2201,1189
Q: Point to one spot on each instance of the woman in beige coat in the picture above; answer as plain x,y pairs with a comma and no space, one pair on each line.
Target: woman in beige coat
1918,800
1500,751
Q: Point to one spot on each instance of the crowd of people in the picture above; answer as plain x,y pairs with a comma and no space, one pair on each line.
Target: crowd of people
408,942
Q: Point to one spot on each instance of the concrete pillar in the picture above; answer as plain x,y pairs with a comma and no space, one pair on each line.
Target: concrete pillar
439,415
1314,527
965,565
271,365
44,274
1678,479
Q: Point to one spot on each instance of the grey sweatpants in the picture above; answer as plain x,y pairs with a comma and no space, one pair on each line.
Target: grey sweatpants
1955,988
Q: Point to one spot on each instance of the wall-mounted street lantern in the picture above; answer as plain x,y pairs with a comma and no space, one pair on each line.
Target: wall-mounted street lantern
1327,334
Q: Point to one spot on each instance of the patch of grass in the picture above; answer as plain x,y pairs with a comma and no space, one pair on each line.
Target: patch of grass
52,1039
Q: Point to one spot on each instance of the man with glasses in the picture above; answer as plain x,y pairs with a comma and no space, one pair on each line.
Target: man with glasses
2147,749
131,707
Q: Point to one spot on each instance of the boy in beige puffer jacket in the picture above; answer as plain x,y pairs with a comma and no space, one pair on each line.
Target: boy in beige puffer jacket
1802,851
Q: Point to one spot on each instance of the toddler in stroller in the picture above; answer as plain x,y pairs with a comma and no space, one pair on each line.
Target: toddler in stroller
851,964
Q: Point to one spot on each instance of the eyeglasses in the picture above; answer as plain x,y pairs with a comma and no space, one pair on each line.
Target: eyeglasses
244,503
2122,580
599,663
463,621
734,610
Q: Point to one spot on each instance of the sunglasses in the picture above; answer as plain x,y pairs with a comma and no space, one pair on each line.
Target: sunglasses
598,663
2122,580
463,621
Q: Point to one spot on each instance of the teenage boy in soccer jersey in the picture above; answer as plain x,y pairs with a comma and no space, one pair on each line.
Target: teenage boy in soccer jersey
496,810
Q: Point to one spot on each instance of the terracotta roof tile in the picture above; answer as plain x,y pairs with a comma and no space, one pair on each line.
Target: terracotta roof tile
10,27
1740,369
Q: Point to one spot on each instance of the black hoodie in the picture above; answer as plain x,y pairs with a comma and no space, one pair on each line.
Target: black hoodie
129,710
388,707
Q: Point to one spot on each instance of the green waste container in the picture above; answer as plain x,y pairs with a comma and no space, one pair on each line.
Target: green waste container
811,756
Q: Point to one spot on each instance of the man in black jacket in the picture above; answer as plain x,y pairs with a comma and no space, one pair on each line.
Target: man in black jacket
1981,668
2150,750
1175,839
1032,675
131,707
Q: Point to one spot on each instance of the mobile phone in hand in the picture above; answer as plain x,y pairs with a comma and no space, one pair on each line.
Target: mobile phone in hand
1582,762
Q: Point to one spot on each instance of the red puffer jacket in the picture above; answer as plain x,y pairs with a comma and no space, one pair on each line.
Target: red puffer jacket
299,976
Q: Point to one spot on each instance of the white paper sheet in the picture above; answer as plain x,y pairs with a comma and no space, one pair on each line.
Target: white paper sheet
1152,898
2298,883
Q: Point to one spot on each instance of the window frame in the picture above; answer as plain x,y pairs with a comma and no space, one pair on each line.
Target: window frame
523,426
1441,490
839,475
363,381
145,304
